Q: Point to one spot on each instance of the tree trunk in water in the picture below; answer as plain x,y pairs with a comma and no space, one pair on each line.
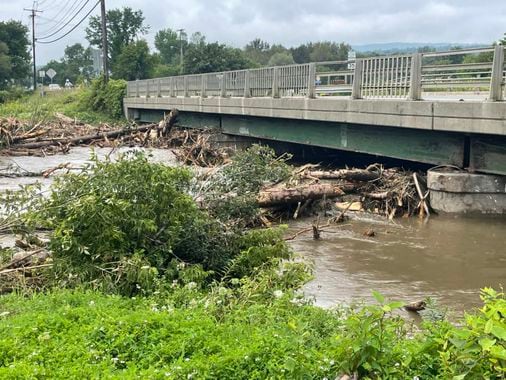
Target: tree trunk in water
274,196
348,174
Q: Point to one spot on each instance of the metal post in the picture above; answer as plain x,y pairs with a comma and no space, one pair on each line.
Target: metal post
247,85
147,88
159,88
496,82
203,83
311,81
223,84
415,85
275,82
356,91
137,88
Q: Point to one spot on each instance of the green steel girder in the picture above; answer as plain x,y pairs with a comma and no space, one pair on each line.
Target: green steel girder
488,154
190,119
425,146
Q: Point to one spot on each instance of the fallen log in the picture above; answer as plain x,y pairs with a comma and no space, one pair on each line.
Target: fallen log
274,196
348,174
378,196
28,135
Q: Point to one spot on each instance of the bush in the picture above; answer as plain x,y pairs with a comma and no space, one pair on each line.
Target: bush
232,192
12,93
125,225
107,97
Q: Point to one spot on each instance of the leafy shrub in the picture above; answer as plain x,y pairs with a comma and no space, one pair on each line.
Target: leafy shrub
478,349
13,93
232,192
125,225
106,97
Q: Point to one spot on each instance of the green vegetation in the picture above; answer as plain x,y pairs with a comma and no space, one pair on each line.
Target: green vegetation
254,330
241,180
105,98
97,104
76,66
144,284
35,109
14,56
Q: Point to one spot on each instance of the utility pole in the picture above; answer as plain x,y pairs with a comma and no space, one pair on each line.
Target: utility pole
33,14
181,31
104,41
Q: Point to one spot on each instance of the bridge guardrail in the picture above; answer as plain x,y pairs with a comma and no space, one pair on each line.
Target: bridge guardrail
413,77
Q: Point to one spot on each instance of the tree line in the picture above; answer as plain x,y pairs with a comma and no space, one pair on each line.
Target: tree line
175,53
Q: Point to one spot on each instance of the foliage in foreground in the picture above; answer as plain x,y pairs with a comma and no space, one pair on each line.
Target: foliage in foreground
253,331
126,226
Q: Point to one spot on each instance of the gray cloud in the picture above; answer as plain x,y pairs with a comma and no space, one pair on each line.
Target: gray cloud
236,22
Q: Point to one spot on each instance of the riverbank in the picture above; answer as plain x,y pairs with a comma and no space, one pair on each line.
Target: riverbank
151,273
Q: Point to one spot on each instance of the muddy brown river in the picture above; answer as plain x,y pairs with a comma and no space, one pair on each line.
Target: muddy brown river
446,258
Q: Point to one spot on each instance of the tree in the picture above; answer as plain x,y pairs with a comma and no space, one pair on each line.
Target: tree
329,51
123,27
76,65
168,44
61,71
213,57
197,38
301,54
134,62
79,62
281,59
258,51
14,37
5,65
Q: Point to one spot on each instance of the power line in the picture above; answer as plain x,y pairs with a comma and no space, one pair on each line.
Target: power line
55,18
71,30
68,22
61,6
60,20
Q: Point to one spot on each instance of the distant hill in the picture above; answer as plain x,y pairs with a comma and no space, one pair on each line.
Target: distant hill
410,47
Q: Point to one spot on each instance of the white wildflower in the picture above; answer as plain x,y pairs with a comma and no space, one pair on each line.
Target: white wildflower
278,293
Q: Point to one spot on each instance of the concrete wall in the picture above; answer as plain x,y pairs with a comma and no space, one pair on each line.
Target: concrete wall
465,117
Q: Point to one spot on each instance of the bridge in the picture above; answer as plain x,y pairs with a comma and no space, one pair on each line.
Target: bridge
440,108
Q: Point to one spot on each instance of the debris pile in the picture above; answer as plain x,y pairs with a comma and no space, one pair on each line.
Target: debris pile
23,139
389,192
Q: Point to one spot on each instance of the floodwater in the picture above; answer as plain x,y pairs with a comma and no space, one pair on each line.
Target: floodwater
446,258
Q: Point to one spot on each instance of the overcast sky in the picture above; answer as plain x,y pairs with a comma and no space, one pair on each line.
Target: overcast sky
236,22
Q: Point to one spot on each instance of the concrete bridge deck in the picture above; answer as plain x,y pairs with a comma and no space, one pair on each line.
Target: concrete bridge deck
386,111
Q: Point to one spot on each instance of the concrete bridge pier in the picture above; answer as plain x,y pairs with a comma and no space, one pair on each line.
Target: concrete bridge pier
457,191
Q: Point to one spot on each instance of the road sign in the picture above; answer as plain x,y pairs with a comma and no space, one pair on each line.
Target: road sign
51,73
352,56
42,74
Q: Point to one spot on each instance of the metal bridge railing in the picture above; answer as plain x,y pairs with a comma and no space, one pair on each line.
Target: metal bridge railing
420,75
